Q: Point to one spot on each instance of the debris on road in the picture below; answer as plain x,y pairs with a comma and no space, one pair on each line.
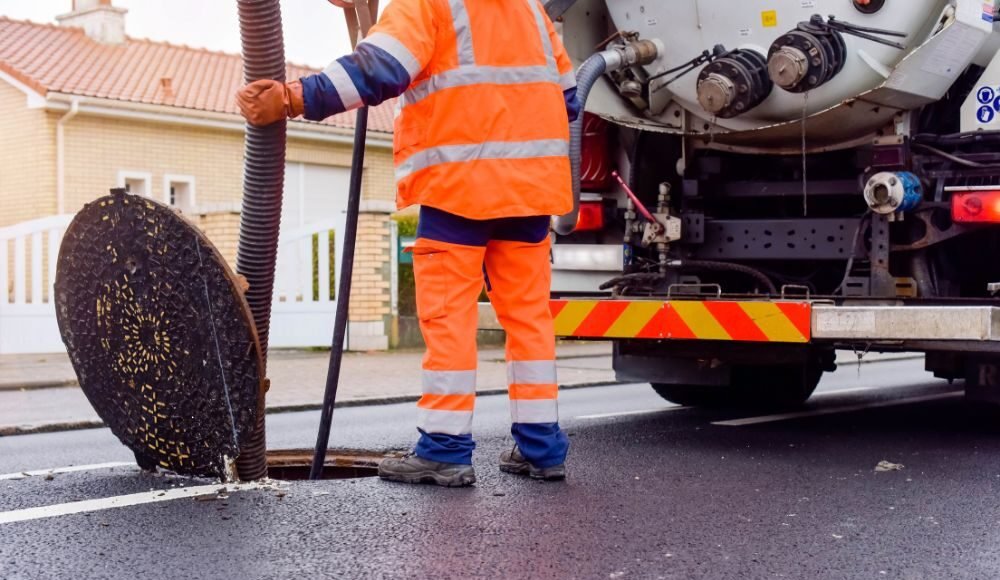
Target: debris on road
884,466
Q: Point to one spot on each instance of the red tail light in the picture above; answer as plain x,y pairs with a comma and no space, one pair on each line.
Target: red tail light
595,165
976,207
591,218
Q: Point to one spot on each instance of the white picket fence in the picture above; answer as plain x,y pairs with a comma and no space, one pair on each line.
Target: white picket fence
302,313
28,256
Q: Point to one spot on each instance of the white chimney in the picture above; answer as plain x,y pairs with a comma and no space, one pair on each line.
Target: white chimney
99,19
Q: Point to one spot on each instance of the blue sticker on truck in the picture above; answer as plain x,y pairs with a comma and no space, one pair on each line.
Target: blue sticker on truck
986,114
986,95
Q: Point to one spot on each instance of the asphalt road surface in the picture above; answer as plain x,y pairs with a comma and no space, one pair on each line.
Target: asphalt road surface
655,491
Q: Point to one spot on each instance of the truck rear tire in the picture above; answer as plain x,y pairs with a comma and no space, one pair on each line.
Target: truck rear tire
754,387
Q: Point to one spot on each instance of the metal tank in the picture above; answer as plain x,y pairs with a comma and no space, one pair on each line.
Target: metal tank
764,67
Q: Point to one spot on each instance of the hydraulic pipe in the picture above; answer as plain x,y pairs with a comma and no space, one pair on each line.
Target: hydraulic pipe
640,52
364,14
343,295
263,185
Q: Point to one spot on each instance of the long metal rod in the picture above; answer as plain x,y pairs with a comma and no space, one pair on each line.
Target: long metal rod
360,15
343,295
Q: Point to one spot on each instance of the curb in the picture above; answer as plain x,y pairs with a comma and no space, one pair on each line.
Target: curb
39,428
39,385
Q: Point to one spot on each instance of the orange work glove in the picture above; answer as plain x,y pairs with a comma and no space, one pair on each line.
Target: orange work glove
264,102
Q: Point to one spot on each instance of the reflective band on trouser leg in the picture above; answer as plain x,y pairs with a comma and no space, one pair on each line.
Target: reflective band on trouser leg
448,402
449,278
533,391
520,274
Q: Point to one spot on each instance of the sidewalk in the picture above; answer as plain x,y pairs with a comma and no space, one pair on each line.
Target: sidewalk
40,392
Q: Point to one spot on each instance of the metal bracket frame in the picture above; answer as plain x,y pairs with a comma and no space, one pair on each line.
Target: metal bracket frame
361,16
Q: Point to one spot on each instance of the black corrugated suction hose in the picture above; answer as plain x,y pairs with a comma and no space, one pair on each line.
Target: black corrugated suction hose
263,184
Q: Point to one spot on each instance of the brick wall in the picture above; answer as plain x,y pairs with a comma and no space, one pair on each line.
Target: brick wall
223,228
98,148
27,159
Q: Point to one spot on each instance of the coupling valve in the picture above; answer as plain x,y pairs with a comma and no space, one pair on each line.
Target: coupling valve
639,52
811,55
889,192
807,57
734,83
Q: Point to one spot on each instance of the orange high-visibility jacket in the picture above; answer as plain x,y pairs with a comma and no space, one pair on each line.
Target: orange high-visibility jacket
482,129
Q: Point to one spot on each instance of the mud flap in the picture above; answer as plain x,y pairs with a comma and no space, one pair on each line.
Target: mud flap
982,380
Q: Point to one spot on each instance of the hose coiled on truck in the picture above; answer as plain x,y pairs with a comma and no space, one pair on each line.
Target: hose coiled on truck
704,265
263,185
640,52
587,76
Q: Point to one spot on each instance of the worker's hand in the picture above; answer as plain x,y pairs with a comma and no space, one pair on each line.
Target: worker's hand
264,102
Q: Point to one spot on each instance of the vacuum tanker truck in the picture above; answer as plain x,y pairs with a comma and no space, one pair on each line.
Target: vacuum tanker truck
760,183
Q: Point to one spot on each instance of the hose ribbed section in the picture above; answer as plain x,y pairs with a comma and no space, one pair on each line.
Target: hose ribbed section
588,74
731,267
263,184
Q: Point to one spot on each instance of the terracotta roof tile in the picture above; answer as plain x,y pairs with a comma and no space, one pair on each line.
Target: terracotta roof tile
50,58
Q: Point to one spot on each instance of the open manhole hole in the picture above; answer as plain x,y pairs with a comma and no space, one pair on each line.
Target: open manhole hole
295,464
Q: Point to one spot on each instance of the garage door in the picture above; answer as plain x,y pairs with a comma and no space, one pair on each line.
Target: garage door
312,220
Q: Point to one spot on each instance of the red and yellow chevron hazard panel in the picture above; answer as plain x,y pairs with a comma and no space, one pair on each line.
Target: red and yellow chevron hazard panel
787,322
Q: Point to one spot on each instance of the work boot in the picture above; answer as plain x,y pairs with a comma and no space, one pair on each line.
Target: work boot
413,469
513,462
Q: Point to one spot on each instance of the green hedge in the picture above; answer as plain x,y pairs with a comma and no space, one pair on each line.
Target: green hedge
315,266
407,225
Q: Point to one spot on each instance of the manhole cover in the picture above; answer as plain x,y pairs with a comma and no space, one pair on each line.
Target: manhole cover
295,464
159,334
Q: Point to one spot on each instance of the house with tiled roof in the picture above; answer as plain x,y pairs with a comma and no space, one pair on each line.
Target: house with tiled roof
84,108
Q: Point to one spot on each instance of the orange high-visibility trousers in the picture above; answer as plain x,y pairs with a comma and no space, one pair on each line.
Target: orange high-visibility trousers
451,256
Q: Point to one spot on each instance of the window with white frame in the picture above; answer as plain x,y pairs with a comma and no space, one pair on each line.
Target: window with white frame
136,182
179,191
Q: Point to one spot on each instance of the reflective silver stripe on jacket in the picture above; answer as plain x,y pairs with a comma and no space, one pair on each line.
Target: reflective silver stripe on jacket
463,32
449,382
550,55
397,50
533,372
469,73
476,75
567,81
489,150
345,86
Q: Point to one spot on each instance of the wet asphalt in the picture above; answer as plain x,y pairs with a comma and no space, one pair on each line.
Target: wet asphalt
654,492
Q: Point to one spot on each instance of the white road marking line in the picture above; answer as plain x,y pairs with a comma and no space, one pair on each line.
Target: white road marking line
866,389
94,505
851,390
58,470
835,410
631,413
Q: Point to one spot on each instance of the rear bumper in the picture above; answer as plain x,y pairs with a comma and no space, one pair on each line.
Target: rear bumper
897,327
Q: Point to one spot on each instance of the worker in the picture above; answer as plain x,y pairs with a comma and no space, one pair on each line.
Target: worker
481,144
